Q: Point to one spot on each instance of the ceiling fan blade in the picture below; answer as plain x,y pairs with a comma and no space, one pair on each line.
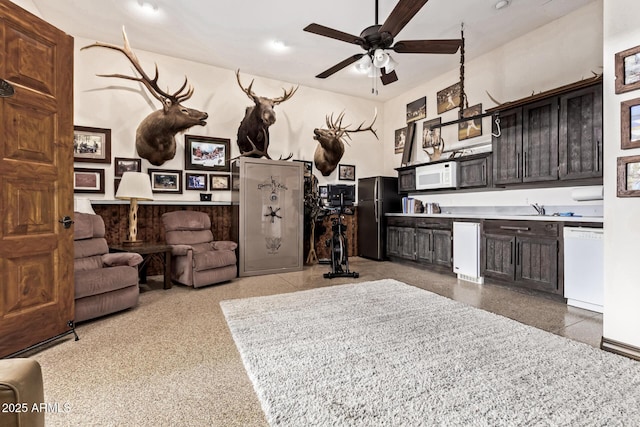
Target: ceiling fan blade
388,77
350,60
321,30
428,46
401,15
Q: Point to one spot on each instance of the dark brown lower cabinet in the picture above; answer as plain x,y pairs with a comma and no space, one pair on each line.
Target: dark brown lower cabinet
522,253
427,241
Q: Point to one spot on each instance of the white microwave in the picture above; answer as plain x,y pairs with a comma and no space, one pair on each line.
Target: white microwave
438,175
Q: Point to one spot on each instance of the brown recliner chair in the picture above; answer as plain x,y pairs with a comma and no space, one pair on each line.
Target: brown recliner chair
197,260
104,282
20,389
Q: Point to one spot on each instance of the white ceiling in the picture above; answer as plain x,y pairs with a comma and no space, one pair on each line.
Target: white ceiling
235,34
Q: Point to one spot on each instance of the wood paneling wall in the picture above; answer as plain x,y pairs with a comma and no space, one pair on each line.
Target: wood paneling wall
224,226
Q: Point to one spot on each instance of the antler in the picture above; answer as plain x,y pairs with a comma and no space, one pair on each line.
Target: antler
287,93
150,83
246,90
368,128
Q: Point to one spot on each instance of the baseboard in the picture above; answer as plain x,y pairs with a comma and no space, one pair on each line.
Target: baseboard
620,348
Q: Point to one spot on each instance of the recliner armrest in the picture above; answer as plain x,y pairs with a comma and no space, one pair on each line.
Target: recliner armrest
180,250
225,245
121,258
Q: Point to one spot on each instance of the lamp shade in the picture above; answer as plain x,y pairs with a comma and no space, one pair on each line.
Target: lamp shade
82,204
391,65
363,64
380,58
135,185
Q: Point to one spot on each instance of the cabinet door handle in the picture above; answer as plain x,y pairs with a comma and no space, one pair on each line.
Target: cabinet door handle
484,173
598,155
517,165
519,254
524,164
513,228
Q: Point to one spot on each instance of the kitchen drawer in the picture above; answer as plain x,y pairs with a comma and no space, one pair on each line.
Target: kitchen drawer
400,221
522,228
437,223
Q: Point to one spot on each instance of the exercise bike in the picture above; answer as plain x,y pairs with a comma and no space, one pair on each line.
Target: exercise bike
338,240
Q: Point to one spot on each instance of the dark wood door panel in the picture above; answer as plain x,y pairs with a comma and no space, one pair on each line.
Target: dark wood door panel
537,263
540,141
507,148
498,257
424,245
442,248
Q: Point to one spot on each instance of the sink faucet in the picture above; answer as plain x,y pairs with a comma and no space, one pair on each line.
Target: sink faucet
538,208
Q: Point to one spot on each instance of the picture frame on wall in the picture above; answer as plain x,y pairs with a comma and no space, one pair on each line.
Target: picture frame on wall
627,69
88,180
123,164
628,176
196,181
470,128
346,172
323,191
308,166
400,139
91,145
166,181
219,182
630,123
449,98
417,110
206,153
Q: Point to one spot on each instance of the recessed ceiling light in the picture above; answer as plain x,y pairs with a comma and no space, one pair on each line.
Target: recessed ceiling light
147,9
278,46
502,4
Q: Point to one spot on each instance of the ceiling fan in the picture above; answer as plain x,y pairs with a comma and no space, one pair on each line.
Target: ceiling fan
378,38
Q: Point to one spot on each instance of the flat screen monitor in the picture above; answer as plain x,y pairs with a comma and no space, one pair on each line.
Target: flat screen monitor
335,191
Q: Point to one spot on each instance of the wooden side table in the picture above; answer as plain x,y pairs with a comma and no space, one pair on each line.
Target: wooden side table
148,252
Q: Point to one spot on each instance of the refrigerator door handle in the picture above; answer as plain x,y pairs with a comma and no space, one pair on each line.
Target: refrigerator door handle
375,211
375,200
375,190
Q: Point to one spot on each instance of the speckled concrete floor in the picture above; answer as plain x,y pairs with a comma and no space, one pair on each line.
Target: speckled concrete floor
176,329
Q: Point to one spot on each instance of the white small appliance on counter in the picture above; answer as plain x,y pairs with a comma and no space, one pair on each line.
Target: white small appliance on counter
438,175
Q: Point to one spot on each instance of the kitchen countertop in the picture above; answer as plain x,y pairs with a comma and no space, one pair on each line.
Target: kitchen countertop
596,219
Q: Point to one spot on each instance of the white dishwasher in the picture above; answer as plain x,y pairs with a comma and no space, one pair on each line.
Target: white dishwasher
584,268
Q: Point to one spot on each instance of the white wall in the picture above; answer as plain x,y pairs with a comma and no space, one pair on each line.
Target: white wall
562,52
121,105
622,269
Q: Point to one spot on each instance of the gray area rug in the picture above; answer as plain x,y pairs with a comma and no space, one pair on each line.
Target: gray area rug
385,353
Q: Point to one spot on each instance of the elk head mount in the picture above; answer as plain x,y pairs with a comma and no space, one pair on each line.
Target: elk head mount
155,136
253,133
331,142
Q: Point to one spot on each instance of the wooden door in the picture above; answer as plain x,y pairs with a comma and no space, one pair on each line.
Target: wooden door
424,251
36,170
497,256
537,263
540,141
393,241
507,148
580,142
407,241
442,248
473,173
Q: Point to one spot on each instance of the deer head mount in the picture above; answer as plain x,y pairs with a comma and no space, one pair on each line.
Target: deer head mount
253,133
155,136
432,143
331,142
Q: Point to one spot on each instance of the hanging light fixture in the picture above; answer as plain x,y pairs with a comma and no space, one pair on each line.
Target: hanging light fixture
380,58
363,65
391,65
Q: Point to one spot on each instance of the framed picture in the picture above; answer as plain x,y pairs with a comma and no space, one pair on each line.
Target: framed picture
308,166
123,165
431,137
470,128
627,65
219,182
346,172
448,98
91,145
88,180
116,185
630,123
166,181
323,191
629,176
196,181
400,139
204,152
417,110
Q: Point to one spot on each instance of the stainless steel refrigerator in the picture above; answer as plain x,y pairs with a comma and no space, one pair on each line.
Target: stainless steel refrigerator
377,196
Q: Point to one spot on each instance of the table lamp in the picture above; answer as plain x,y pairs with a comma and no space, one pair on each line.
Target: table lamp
134,186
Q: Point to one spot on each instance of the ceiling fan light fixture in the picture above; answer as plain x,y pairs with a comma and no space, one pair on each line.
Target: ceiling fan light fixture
363,64
380,58
374,72
391,65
